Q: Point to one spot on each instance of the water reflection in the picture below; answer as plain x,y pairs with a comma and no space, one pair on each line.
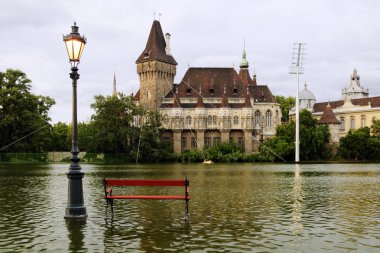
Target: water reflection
234,208
297,197
75,234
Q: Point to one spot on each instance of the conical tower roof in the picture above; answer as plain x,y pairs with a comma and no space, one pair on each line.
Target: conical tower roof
328,116
155,46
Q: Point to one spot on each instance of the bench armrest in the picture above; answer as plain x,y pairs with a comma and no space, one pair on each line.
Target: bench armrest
109,191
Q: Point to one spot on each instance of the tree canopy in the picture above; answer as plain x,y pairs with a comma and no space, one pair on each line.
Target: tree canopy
314,140
112,123
360,145
23,113
286,103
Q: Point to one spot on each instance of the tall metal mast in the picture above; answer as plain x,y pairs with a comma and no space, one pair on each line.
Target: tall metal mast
296,68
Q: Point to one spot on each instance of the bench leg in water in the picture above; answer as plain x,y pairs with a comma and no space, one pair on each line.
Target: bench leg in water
109,202
187,210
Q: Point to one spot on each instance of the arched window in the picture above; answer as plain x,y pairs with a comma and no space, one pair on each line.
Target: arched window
236,120
268,119
209,120
342,124
214,120
362,121
352,122
188,120
256,118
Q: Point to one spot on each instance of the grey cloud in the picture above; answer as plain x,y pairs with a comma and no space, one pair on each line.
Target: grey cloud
341,35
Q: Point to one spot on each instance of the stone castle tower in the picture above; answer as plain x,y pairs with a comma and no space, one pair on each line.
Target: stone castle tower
156,68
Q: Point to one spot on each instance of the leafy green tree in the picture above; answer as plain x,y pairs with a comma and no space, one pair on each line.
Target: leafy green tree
286,103
147,143
314,140
282,145
225,152
112,123
359,145
112,131
24,118
375,128
60,137
85,136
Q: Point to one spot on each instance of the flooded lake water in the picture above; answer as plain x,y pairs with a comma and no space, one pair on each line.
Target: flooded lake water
234,208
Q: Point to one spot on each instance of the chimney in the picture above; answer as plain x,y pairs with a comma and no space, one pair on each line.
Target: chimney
167,40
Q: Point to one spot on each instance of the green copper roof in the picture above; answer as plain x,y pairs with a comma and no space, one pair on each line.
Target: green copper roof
244,62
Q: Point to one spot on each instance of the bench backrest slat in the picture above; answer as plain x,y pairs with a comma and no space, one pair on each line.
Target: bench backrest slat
143,182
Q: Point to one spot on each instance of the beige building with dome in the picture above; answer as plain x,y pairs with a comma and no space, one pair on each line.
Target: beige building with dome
354,110
209,106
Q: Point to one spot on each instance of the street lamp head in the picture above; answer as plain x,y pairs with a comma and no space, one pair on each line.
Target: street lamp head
74,45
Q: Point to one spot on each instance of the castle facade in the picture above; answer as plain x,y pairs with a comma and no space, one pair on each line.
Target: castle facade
209,106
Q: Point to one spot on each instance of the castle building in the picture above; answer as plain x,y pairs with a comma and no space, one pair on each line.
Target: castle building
354,110
209,106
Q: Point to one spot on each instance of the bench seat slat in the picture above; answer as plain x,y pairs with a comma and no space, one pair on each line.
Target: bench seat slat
147,197
144,182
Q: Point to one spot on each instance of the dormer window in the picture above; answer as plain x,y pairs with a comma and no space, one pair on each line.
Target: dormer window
146,54
235,91
211,91
188,91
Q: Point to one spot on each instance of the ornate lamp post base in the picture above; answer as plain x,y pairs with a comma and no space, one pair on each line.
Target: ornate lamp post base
75,208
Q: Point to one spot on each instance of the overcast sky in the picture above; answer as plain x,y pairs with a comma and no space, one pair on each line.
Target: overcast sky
340,36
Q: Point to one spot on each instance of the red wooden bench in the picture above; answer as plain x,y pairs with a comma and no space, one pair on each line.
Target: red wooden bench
108,183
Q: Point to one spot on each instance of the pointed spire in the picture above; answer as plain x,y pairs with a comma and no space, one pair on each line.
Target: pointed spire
244,62
354,90
155,48
244,72
354,74
114,92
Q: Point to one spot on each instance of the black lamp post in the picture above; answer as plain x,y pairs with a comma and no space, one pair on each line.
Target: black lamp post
75,205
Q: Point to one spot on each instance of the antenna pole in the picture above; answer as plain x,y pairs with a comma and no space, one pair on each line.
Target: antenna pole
297,64
297,158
